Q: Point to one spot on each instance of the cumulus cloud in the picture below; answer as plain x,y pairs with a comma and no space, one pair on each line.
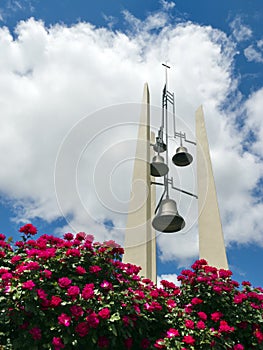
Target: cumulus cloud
254,54
241,31
167,5
70,108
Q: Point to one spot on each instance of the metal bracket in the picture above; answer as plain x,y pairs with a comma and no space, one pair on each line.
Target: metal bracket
160,201
170,182
183,136
156,183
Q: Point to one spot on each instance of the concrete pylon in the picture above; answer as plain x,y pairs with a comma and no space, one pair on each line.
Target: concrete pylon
140,241
211,239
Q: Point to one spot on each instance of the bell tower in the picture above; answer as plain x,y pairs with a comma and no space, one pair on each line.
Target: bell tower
144,216
211,238
140,241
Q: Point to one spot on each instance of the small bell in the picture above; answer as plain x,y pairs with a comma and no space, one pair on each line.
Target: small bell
158,166
159,146
182,157
167,219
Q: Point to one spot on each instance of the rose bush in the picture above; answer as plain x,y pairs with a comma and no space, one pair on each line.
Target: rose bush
212,312
73,293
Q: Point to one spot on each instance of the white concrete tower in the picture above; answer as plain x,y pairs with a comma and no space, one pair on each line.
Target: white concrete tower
140,242
211,239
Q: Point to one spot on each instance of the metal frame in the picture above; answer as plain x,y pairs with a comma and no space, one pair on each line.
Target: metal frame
160,146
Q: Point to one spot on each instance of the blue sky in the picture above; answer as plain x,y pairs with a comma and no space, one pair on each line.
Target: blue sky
62,61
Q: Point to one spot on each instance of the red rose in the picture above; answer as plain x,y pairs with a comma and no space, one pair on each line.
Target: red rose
58,344
28,285
64,320
93,320
104,313
88,291
145,343
36,333
28,229
188,339
73,291
196,301
94,269
55,301
80,270
64,282
68,236
202,315
103,342
200,325
189,324
76,310
172,333
82,329
128,343
216,316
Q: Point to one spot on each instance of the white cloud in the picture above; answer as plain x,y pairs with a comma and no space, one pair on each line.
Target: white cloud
241,31
173,246
254,121
167,5
152,22
18,4
10,7
110,20
65,91
254,54
260,44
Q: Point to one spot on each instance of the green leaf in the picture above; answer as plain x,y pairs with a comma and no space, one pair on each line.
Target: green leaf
114,331
115,317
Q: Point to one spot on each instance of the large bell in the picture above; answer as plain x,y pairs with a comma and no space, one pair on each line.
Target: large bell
167,218
158,166
182,157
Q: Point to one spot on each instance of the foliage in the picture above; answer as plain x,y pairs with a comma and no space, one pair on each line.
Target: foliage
72,293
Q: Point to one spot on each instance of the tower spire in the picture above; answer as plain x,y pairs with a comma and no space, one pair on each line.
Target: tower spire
211,239
140,242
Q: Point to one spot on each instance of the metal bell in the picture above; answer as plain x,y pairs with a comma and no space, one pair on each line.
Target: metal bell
182,157
167,218
159,146
158,166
